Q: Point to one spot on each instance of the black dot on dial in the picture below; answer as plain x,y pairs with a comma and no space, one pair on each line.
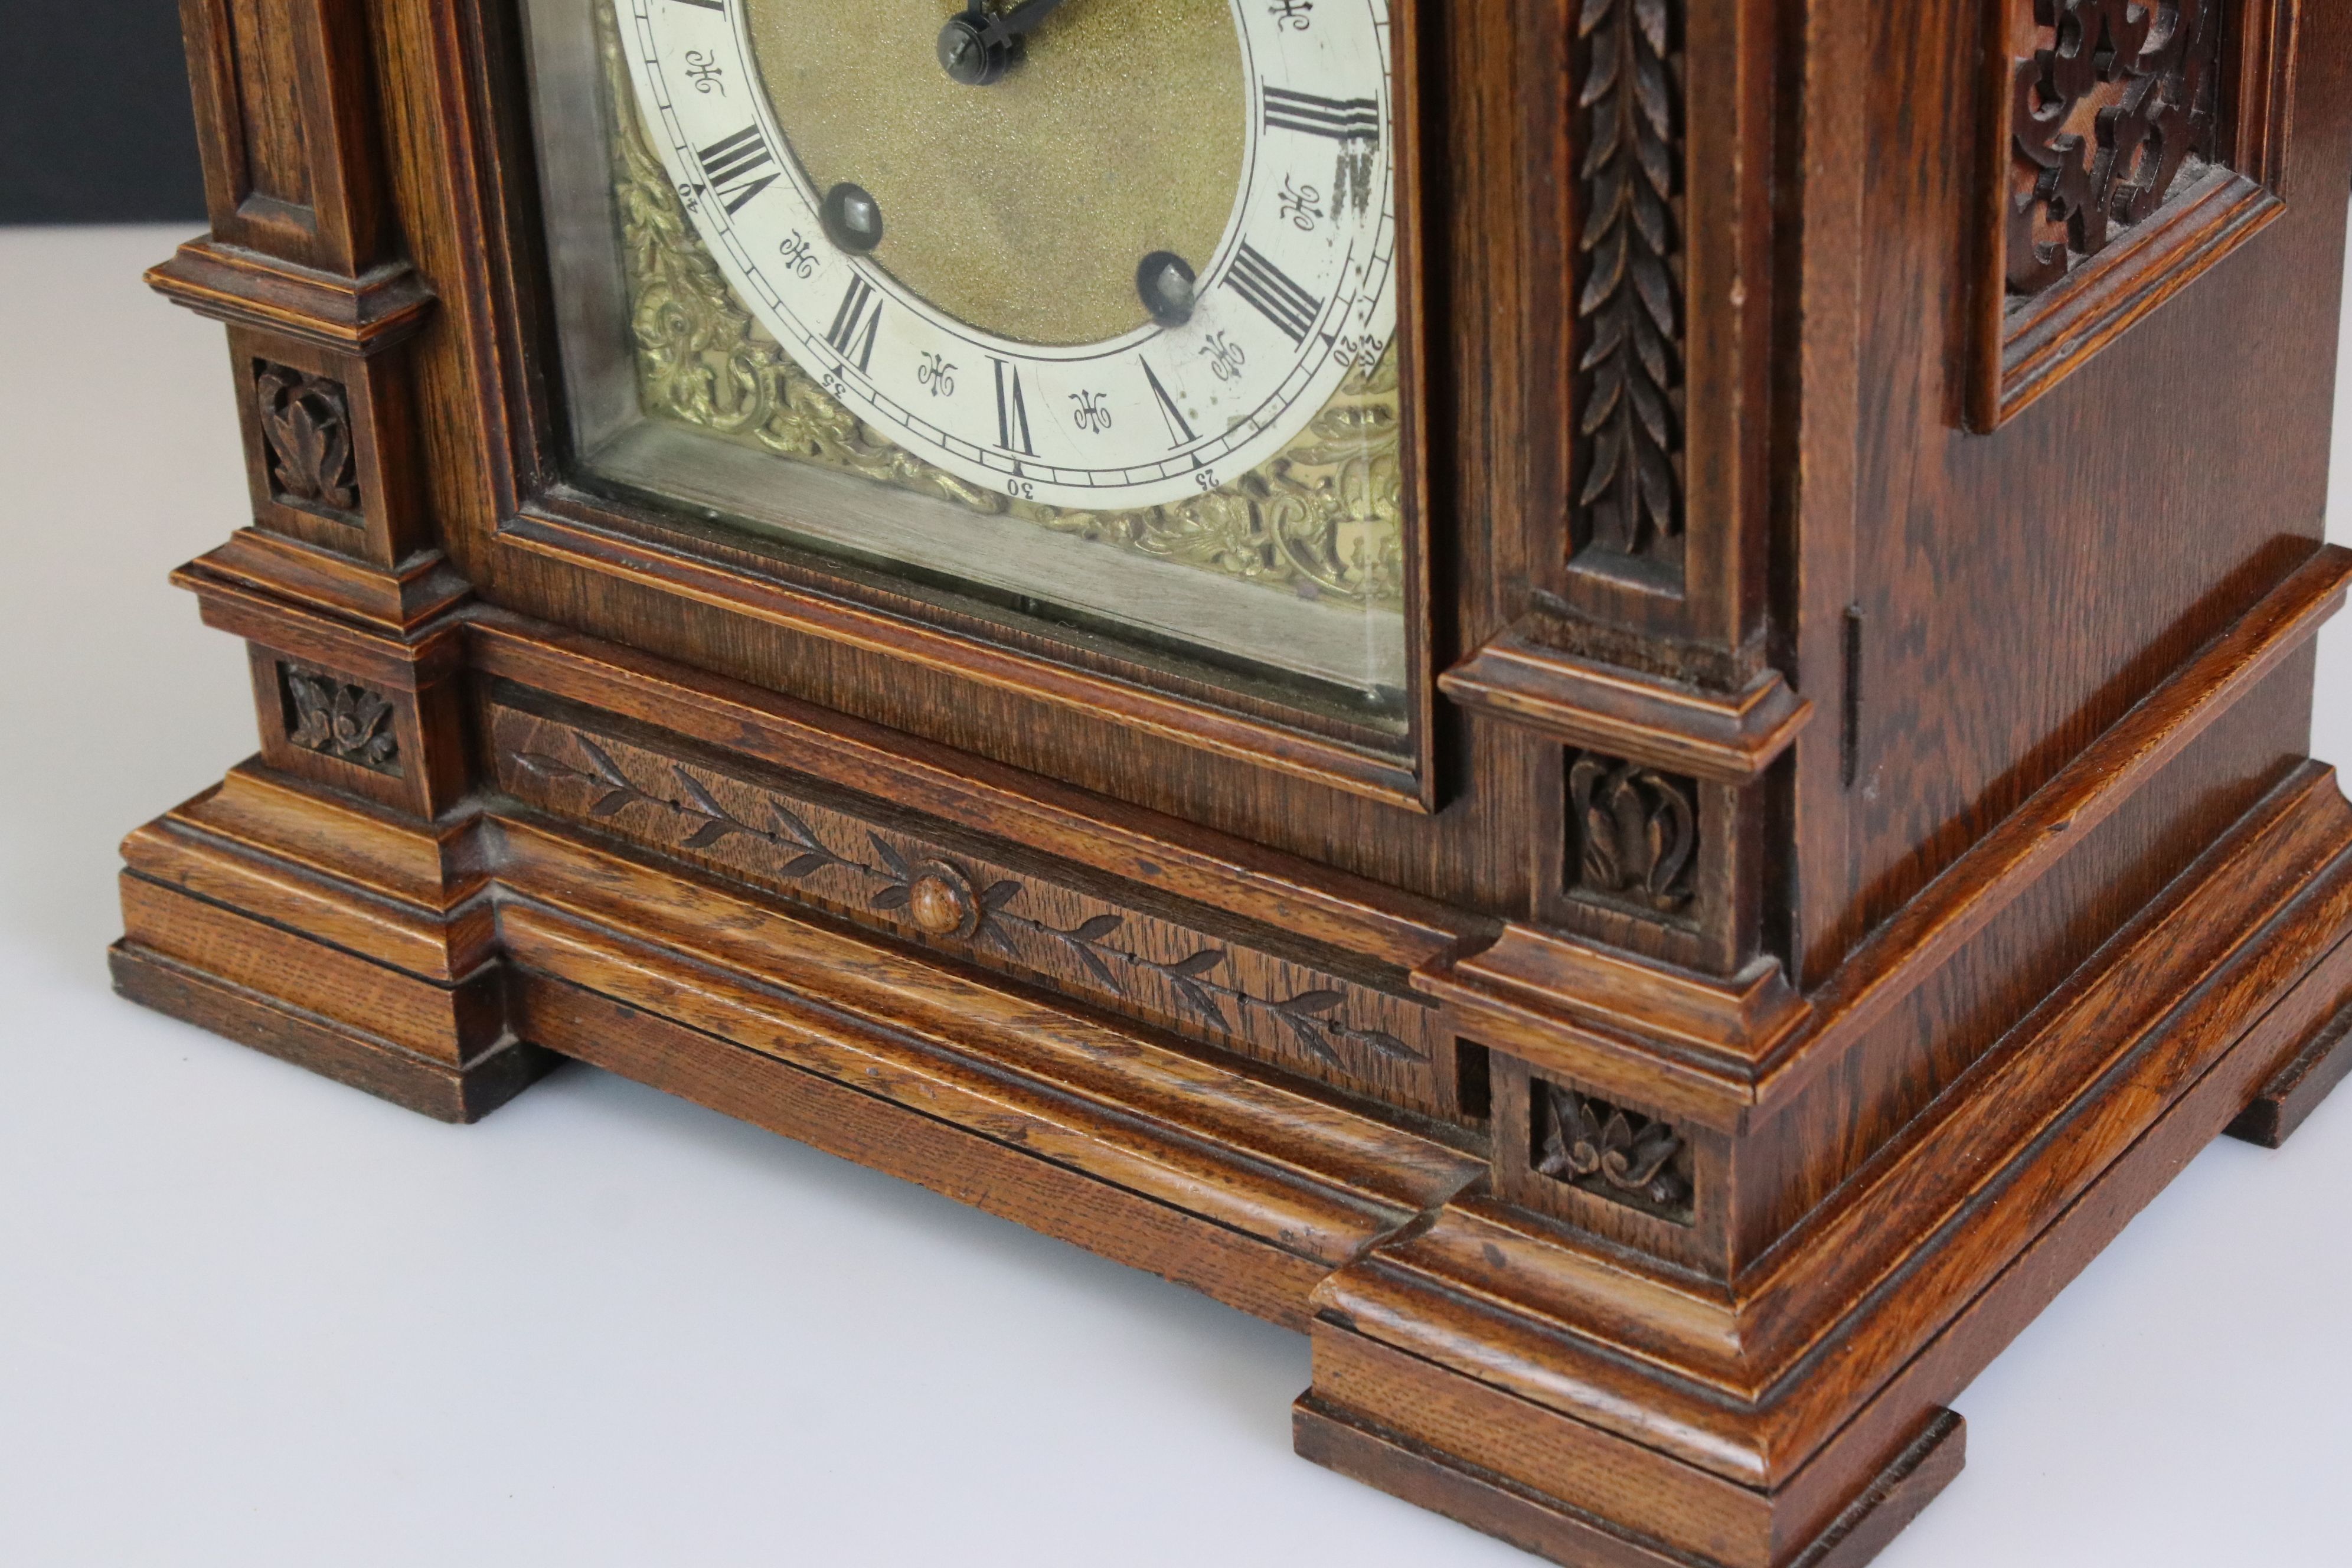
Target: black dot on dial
1165,281
853,219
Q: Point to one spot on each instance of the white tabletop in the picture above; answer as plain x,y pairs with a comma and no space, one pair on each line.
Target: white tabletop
252,1318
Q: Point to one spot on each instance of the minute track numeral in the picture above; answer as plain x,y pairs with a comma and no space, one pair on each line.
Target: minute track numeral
1272,295
1011,411
732,168
1340,118
1180,431
855,323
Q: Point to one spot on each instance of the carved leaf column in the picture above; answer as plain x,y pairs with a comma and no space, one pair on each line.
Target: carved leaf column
1639,653
1629,308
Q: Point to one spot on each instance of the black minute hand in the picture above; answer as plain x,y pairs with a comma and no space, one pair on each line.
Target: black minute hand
978,48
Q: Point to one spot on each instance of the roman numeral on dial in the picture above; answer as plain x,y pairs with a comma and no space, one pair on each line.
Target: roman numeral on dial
855,325
1179,432
732,167
1272,295
1011,411
1342,118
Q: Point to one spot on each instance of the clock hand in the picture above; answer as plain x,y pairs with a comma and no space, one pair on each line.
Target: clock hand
977,48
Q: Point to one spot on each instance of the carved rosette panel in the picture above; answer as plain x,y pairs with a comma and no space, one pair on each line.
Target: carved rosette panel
306,426
2113,110
1630,282
1612,1152
334,717
1209,987
1633,834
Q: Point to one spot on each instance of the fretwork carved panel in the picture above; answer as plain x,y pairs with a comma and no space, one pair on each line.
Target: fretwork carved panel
2138,144
2114,112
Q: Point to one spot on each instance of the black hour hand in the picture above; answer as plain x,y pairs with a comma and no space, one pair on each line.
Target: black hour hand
979,46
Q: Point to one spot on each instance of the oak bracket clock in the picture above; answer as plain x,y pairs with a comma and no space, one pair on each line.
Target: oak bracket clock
1606,700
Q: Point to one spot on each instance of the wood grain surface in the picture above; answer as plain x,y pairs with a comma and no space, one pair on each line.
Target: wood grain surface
1838,866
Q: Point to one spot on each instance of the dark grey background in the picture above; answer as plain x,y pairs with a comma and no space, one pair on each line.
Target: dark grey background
94,119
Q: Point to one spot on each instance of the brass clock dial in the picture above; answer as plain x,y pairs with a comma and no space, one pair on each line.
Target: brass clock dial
1022,208
1126,270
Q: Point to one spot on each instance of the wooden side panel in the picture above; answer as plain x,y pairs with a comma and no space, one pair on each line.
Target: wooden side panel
2020,591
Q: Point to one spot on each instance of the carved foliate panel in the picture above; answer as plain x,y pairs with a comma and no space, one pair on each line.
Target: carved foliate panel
1633,835
2136,145
334,717
306,430
1232,993
2113,110
1614,1153
1629,281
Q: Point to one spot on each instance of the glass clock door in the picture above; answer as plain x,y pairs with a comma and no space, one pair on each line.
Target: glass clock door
1083,308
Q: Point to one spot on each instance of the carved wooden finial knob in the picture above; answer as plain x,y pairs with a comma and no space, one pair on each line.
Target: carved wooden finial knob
941,901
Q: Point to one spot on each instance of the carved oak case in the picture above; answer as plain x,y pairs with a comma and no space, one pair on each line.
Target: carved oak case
1710,795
